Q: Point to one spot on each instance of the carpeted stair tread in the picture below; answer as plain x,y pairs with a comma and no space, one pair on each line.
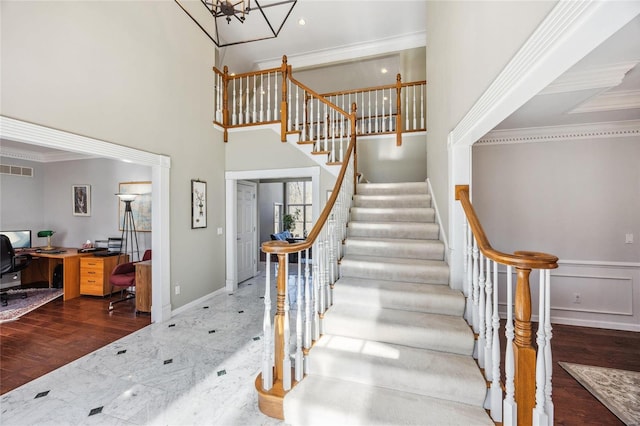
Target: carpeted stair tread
392,188
395,269
395,247
327,401
393,214
445,333
404,200
415,230
437,374
418,297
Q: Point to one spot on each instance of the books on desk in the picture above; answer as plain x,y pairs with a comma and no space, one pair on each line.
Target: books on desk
50,251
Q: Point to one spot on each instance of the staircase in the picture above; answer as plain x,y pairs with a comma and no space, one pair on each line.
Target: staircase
395,348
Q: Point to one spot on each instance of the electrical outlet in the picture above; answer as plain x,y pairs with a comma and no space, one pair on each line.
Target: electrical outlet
628,239
219,231
576,298
177,289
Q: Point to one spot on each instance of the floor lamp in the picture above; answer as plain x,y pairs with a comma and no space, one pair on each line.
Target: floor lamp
129,235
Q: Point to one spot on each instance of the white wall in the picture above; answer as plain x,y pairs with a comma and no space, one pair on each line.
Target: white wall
136,74
380,160
21,201
576,199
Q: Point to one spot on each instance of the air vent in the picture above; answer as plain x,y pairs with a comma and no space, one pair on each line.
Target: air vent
7,169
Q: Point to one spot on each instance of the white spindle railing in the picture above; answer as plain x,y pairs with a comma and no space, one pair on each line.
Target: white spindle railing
481,288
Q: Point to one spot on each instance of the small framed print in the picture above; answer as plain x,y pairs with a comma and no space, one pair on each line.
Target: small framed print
81,200
198,204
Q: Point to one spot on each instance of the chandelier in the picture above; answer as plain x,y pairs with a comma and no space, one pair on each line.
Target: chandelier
215,18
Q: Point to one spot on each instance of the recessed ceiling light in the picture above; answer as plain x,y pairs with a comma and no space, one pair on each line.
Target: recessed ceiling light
383,70
301,21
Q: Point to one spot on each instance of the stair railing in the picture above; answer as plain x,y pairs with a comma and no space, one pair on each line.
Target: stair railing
270,97
527,399
311,286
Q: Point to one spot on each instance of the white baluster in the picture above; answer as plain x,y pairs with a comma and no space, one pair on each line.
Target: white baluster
297,108
316,290
289,127
332,156
267,330
268,96
286,357
240,104
247,102
311,119
539,415
548,402
234,118
299,302
384,119
369,131
406,107
255,100
496,390
488,338
482,312
415,125
510,410
325,117
276,97
466,231
308,300
262,98
476,289
376,112
362,119
422,126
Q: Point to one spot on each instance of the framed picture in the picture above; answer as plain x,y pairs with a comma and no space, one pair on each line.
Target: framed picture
198,204
140,206
81,200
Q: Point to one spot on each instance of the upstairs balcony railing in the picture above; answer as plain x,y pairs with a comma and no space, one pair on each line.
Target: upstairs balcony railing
271,96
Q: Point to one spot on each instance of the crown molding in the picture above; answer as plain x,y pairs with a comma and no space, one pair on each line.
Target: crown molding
610,101
349,52
608,130
596,78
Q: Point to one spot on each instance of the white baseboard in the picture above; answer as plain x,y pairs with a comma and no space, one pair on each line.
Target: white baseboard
196,302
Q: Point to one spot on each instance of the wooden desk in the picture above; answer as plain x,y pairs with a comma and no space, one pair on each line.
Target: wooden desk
143,286
43,265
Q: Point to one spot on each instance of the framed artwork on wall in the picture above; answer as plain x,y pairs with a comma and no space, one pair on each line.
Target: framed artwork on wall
81,200
140,206
198,204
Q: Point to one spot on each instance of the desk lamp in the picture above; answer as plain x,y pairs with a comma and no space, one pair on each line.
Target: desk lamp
47,234
128,226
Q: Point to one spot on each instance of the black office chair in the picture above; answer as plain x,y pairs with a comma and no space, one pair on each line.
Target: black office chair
10,263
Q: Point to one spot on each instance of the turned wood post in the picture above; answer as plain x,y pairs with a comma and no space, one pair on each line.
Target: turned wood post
283,101
523,351
225,102
281,288
399,109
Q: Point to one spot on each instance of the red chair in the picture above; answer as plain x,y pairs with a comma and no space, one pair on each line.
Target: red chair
124,276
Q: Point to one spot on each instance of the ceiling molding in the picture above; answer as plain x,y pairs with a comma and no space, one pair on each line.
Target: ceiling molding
349,52
608,130
596,78
610,101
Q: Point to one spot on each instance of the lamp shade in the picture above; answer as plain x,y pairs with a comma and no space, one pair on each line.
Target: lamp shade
47,233
126,197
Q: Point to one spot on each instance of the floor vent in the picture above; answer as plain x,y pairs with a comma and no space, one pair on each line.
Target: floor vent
8,169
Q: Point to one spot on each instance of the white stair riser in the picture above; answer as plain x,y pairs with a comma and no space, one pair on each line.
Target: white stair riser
411,249
411,214
391,201
392,188
426,231
413,273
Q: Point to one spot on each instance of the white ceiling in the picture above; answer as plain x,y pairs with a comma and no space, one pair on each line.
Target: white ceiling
359,37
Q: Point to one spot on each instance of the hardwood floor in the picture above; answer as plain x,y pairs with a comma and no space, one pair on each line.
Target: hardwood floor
574,405
58,333
61,332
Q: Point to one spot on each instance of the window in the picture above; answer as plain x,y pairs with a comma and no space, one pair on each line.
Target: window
299,205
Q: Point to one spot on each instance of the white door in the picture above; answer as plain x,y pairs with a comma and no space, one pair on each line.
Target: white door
247,233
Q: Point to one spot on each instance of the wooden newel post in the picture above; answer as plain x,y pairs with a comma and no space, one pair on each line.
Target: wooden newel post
399,109
524,353
281,288
283,102
225,102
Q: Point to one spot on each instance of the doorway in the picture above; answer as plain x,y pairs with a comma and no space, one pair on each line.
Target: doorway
246,236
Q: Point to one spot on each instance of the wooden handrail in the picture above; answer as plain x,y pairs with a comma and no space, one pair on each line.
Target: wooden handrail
371,89
520,259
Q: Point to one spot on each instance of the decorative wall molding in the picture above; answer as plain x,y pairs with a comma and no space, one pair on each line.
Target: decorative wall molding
41,157
610,101
613,129
349,52
596,78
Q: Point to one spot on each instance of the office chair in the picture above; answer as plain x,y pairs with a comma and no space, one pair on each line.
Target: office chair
10,263
124,276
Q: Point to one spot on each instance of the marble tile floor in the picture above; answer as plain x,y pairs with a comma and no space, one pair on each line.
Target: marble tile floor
196,369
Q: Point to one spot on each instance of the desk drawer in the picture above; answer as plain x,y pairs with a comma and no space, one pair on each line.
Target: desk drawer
94,274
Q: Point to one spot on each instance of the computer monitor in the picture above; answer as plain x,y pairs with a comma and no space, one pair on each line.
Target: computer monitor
19,239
